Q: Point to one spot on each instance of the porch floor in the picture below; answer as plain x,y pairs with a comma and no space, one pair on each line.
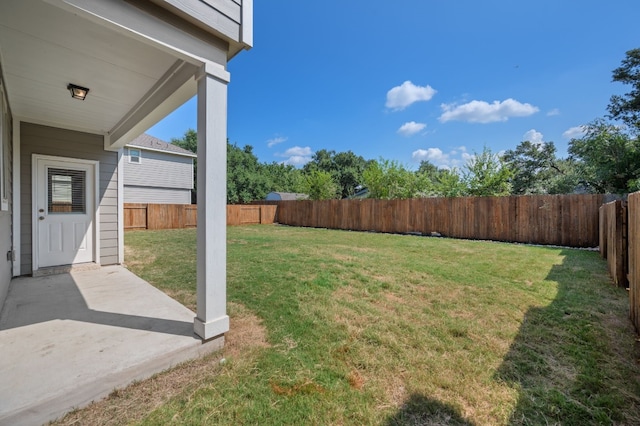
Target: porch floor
69,339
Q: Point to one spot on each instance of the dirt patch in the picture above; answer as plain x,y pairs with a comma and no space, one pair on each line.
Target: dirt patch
136,401
136,258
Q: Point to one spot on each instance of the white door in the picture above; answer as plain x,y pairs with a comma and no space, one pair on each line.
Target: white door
64,204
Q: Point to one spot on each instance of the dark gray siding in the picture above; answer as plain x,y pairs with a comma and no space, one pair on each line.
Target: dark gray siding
37,139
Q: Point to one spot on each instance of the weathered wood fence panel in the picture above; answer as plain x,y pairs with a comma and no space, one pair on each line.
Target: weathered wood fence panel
633,210
135,216
172,216
568,220
613,240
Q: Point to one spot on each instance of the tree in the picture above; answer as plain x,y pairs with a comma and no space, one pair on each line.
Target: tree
346,168
319,185
387,180
189,141
537,170
450,184
429,169
486,175
283,177
607,158
627,107
246,180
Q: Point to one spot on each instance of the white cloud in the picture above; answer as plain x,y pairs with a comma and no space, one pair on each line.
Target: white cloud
533,136
484,112
296,156
435,155
406,94
574,132
297,160
454,158
553,112
411,128
275,141
297,150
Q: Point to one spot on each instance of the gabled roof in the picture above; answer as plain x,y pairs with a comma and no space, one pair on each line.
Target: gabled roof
148,142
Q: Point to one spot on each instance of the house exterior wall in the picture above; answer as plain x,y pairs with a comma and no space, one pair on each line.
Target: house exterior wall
5,215
150,195
37,139
222,15
159,178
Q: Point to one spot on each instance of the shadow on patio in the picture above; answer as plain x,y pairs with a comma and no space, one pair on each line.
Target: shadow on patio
73,338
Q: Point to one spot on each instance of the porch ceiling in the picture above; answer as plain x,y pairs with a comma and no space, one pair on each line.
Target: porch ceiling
44,47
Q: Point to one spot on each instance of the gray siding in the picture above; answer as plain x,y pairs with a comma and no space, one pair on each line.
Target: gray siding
224,16
159,170
146,194
36,139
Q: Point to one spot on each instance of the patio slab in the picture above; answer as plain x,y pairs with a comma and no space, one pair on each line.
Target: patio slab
67,340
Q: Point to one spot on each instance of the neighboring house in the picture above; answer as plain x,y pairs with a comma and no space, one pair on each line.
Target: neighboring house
157,172
62,158
278,196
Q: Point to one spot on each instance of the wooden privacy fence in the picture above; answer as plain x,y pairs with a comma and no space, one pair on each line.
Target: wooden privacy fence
613,240
633,240
620,245
170,216
567,220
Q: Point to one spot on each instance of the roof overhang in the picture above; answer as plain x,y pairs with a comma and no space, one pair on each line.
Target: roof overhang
139,60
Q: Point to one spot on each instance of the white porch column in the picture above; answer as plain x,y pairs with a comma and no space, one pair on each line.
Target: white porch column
212,319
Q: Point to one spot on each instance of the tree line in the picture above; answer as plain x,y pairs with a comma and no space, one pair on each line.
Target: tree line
605,159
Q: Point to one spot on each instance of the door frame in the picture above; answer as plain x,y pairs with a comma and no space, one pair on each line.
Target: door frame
34,202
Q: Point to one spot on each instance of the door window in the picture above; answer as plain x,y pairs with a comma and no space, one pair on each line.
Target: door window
66,191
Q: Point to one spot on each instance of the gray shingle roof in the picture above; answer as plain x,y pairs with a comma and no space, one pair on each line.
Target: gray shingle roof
150,142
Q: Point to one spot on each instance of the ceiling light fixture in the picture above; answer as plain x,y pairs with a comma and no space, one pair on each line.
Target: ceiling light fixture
77,92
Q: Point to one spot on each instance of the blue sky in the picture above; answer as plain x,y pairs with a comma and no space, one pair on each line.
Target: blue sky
408,80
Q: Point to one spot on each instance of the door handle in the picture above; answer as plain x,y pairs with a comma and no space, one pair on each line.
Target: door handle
41,218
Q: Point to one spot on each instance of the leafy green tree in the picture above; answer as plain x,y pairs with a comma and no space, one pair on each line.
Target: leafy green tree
486,175
283,177
189,141
450,184
246,180
607,159
627,106
429,169
346,168
387,179
537,170
319,185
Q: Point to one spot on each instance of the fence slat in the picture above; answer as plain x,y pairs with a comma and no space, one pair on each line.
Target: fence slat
633,209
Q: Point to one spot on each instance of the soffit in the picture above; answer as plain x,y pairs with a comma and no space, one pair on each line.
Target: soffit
43,48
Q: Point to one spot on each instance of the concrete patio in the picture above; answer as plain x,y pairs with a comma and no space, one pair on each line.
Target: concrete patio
73,338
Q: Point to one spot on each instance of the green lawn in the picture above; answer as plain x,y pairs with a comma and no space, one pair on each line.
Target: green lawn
334,327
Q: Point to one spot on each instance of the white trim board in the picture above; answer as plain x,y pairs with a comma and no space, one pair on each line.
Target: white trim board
17,237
